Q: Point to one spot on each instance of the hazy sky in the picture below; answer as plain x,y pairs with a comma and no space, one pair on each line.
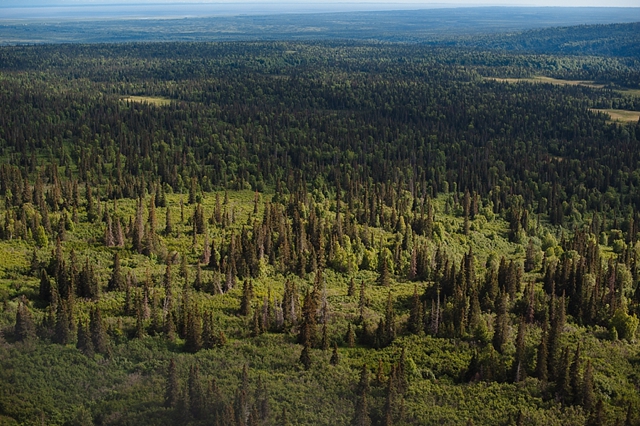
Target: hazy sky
386,3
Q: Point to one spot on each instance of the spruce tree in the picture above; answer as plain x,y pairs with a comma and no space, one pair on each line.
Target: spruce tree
335,358
501,327
247,298
389,322
629,418
588,395
351,290
168,229
307,333
172,387
390,400
519,371
361,415
193,340
350,337
563,385
384,274
63,331
543,355
84,343
196,393
25,328
416,318
574,377
305,355
116,282
597,416
362,302
98,333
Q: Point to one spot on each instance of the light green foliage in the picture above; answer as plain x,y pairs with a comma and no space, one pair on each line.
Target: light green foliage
625,325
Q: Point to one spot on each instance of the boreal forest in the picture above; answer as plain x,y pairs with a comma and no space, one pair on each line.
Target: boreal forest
322,232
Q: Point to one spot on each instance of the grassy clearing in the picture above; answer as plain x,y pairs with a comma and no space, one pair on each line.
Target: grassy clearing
620,115
630,92
542,79
157,101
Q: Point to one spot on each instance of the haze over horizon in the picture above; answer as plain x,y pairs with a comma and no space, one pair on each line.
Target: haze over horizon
374,4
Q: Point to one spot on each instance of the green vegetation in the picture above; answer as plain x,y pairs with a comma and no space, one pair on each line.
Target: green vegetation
315,233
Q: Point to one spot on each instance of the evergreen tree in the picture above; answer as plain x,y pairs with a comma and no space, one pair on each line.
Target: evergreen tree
307,335
172,387
390,400
193,340
84,343
351,290
519,370
335,358
350,337
361,415
168,229
362,302
543,355
305,355
563,385
25,328
501,327
88,285
384,274
416,317
574,377
196,393
588,395
63,331
98,333
597,416
137,232
389,322
629,418
247,298
116,282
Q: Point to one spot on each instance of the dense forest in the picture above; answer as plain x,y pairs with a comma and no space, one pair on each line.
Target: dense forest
304,233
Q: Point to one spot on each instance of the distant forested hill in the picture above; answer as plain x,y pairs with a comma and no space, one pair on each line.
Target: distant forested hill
598,40
440,26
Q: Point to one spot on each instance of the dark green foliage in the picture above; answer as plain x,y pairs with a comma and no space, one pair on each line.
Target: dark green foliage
116,281
46,291
335,357
384,275
25,328
247,298
542,369
98,333
172,387
391,167
361,415
63,329
416,319
196,393
519,363
193,339
588,396
87,285
84,343
501,325
597,416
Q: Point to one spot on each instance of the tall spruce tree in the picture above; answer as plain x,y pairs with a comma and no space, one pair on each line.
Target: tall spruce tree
361,416
172,387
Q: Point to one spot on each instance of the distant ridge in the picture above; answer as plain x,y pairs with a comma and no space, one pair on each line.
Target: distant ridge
621,40
448,26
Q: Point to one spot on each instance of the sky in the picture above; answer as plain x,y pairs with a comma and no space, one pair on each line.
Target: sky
386,4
